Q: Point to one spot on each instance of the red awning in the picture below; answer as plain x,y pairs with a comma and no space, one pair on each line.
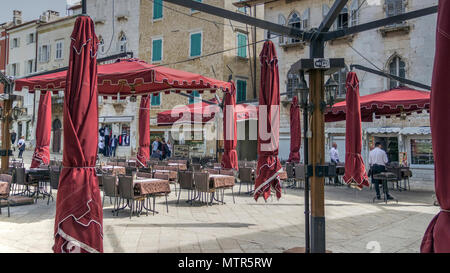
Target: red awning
387,103
128,77
203,113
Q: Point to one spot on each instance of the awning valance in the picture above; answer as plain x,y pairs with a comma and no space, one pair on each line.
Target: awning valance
128,77
388,103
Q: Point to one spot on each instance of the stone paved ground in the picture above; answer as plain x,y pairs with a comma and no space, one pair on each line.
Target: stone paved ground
353,224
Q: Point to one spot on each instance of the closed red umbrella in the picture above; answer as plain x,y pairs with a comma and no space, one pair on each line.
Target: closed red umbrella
230,158
437,236
355,171
144,131
79,214
269,166
43,131
296,132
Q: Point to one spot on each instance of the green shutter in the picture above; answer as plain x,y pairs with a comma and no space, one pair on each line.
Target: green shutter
157,51
196,45
156,100
157,9
241,91
193,10
195,94
242,45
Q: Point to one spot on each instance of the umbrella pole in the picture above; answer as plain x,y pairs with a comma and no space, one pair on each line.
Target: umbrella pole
305,161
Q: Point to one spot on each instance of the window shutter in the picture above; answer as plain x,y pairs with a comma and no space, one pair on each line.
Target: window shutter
157,50
157,9
49,51
354,13
17,69
18,42
196,45
305,19
242,45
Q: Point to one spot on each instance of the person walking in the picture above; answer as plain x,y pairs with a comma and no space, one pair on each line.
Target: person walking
165,149
334,157
13,139
169,146
156,149
101,146
21,145
114,142
377,162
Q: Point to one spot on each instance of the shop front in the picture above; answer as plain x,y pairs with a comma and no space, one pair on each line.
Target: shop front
124,129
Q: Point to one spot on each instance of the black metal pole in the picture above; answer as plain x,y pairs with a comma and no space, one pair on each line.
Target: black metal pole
83,7
305,161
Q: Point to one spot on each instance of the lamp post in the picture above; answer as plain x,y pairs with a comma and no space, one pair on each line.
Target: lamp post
303,89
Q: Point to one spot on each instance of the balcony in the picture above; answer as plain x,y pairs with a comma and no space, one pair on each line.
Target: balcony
401,28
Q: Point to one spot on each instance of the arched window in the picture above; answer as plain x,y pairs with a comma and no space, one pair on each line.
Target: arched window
123,43
281,21
295,22
292,83
397,67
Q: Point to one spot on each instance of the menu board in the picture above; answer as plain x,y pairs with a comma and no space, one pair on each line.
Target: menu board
181,151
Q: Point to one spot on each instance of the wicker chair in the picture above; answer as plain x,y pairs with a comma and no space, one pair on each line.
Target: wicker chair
201,181
110,190
186,181
245,176
126,191
4,195
19,179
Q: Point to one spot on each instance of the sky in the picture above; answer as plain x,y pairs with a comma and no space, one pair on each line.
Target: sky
31,9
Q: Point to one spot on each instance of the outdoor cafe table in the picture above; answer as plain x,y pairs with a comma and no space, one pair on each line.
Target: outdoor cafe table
148,186
36,176
217,181
116,170
180,166
385,177
172,174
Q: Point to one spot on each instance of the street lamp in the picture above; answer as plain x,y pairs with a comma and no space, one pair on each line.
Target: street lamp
331,88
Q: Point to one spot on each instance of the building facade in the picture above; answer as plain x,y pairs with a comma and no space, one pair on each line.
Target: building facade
405,50
190,40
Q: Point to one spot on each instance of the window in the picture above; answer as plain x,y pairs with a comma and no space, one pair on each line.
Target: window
195,44
305,19
157,50
341,78
342,20
281,21
394,7
197,98
292,83
59,49
156,100
15,43
15,69
30,66
422,152
354,15
397,68
123,43
157,9
241,90
242,45
243,9
294,22
193,10
44,53
31,38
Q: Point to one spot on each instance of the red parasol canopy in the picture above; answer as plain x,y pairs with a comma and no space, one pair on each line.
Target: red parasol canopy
387,103
355,171
296,132
43,131
437,235
144,131
200,112
269,166
129,77
79,214
230,158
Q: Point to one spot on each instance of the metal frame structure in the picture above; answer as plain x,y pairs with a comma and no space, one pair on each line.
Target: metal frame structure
316,38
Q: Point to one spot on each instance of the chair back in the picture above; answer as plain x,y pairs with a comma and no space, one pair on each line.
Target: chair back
186,180
54,178
196,166
19,176
300,171
201,181
290,170
245,174
129,170
110,185
126,187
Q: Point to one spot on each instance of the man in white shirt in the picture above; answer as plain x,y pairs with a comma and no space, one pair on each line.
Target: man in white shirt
21,145
377,161
155,151
334,157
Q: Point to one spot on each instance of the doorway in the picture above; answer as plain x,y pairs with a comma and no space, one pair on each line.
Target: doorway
390,145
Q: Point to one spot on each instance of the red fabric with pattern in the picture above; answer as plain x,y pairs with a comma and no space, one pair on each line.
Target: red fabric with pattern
296,132
230,158
43,131
143,154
